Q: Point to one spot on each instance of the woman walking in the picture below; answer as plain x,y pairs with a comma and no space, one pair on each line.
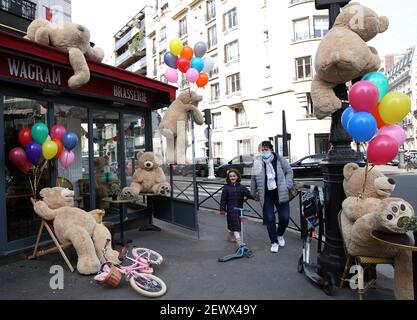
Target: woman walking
272,178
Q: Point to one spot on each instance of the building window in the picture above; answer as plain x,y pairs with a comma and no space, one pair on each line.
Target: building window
212,36
153,45
211,10
164,8
163,33
301,29
231,51
309,108
233,83
303,68
217,120
183,27
161,56
215,92
230,19
163,79
241,118
215,69
244,147
217,150
321,26
154,67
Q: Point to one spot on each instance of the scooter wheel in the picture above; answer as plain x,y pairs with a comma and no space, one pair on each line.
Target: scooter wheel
300,267
329,284
249,254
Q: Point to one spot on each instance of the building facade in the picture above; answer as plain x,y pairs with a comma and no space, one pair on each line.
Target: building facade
56,11
264,52
403,78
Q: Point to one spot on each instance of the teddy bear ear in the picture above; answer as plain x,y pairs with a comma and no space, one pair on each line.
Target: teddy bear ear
158,158
349,170
139,155
383,24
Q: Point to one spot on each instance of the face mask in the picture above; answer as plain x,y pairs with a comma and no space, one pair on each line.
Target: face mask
266,155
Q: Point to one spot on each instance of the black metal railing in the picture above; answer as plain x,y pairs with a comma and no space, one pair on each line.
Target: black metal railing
22,8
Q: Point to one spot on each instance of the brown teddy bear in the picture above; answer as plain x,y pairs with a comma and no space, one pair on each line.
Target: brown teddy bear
175,123
148,177
371,208
70,37
81,228
343,55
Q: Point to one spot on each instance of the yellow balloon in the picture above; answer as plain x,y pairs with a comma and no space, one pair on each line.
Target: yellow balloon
394,107
49,150
176,47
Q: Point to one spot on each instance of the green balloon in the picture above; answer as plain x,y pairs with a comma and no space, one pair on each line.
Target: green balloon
380,81
40,132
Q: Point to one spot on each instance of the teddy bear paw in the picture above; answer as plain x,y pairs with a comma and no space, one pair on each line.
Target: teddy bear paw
88,265
164,190
128,193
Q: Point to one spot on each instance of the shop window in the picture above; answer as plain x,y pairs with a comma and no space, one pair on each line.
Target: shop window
76,177
22,221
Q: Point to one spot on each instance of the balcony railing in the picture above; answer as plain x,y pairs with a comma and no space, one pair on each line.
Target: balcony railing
138,65
22,8
123,57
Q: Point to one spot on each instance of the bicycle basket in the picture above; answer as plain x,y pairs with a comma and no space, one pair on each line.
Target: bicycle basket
113,278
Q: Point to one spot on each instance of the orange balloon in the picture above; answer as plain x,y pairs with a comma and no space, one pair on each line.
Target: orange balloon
378,119
202,80
187,53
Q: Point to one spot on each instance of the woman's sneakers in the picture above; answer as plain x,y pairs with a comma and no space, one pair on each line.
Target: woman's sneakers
281,241
274,248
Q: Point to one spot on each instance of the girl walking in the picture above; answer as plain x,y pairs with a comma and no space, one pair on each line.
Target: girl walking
233,196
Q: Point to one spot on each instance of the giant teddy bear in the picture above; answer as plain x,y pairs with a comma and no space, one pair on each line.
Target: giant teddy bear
343,55
70,37
175,123
148,177
81,228
369,208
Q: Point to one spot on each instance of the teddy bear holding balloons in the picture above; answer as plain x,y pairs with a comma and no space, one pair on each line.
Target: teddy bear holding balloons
373,116
38,145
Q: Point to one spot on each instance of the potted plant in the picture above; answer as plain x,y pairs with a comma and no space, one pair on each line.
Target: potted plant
114,191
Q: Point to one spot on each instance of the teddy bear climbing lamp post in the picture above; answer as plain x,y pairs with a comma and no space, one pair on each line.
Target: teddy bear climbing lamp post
342,56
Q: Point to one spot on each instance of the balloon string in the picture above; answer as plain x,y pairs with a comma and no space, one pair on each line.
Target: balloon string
31,187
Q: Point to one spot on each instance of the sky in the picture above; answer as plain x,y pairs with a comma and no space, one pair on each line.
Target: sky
105,18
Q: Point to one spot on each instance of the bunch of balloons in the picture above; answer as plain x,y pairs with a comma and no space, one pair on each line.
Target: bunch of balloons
38,144
192,63
373,114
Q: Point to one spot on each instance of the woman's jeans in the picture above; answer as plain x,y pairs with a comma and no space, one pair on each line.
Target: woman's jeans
271,201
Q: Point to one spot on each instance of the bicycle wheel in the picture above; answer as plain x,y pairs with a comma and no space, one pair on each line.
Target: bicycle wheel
149,255
148,285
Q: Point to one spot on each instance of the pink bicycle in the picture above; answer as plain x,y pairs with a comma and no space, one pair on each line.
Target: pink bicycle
138,271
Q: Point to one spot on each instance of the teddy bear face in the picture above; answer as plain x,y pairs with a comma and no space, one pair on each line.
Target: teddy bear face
377,185
57,197
362,20
148,161
187,98
100,164
393,217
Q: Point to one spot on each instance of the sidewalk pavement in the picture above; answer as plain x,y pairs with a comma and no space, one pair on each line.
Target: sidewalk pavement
191,270
394,170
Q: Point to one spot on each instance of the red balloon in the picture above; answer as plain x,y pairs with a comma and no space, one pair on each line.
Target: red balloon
26,167
382,149
57,131
25,136
60,147
17,157
378,119
187,53
364,96
183,65
202,80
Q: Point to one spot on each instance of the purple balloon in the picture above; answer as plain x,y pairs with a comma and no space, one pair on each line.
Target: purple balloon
170,60
34,152
69,140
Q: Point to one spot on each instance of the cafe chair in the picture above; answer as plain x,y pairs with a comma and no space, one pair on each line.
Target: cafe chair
366,279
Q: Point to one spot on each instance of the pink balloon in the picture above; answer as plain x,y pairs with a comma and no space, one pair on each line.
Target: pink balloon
57,131
192,75
67,158
395,132
382,149
364,96
171,75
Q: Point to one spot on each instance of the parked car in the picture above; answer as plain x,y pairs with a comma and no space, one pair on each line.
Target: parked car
308,167
243,164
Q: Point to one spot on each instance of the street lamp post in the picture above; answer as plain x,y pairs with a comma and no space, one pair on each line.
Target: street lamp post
332,258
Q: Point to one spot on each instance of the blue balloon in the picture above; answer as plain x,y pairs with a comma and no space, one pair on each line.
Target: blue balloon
346,116
380,81
69,140
197,63
362,126
33,152
170,60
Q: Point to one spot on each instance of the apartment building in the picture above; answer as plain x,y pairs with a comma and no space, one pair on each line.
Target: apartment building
403,78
